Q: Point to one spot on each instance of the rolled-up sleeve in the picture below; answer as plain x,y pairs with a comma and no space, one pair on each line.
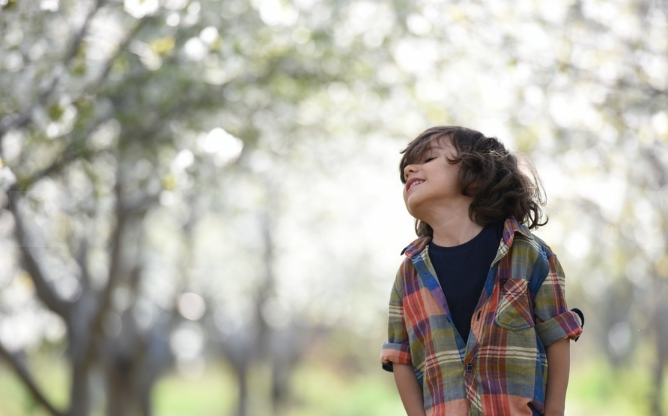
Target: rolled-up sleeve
553,319
397,347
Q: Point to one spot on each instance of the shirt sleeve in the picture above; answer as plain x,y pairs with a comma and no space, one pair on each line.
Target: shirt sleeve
397,347
553,319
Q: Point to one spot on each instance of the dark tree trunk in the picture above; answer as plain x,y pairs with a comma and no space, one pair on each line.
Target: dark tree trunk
658,372
79,390
242,398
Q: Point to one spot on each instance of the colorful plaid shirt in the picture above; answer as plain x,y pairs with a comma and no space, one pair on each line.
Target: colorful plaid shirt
502,369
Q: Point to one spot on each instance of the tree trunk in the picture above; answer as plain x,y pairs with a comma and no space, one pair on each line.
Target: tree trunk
80,389
242,402
145,400
280,386
126,396
658,371
118,402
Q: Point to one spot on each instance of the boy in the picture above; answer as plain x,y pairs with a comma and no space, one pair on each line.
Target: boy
477,312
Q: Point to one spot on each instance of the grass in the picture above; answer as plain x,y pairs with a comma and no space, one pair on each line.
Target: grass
322,388
51,376
211,394
597,388
322,391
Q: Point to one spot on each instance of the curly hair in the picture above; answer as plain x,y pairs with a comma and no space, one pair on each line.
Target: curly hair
489,173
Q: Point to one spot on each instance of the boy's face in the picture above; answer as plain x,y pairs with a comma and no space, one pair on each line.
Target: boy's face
431,181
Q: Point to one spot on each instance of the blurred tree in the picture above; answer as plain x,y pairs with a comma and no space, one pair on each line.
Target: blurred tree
131,132
88,118
105,124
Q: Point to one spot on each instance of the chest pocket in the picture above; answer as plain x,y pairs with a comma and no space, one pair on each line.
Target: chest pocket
514,311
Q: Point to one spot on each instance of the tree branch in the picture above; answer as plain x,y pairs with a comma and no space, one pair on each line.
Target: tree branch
78,38
82,261
32,265
13,121
658,166
72,151
115,258
28,381
120,48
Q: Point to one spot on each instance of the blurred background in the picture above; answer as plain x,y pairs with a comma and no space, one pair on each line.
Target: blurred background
200,205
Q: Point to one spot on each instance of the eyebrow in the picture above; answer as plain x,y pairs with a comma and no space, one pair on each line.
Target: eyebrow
429,149
426,151
422,154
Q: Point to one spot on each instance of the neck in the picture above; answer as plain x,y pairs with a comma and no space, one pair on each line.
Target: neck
453,227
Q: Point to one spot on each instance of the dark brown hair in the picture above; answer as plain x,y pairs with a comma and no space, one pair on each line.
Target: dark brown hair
489,173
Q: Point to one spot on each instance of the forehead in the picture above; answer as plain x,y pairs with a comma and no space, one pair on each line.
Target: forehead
428,144
442,143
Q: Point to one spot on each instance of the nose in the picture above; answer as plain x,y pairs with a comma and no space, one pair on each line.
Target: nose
408,170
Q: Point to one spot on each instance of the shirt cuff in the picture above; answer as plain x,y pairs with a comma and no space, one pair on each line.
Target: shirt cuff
566,325
394,353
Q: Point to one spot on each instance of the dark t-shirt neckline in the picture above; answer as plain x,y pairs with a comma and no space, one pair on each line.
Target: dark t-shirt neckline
462,271
453,250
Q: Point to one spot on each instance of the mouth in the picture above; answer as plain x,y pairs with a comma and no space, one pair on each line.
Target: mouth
412,183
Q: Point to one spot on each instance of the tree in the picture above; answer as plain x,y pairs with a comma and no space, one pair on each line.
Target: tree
112,126
128,133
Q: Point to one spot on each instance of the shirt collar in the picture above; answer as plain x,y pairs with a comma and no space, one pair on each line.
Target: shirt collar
416,246
510,227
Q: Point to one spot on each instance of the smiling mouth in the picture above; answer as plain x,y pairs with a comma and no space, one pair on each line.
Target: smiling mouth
414,184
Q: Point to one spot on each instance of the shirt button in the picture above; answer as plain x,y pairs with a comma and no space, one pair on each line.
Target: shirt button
469,367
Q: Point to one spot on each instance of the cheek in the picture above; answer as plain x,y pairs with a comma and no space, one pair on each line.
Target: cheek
453,177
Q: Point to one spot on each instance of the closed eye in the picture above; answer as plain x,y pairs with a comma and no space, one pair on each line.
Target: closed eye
429,159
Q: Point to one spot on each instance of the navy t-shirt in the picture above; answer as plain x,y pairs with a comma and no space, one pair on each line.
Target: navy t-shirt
462,271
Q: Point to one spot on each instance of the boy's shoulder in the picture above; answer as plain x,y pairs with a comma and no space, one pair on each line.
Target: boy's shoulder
519,238
530,244
407,270
415,247
533,258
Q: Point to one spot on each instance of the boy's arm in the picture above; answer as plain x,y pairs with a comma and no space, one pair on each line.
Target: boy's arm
409,389
556,325
558,362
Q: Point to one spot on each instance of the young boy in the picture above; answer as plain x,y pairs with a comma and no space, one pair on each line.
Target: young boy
477,312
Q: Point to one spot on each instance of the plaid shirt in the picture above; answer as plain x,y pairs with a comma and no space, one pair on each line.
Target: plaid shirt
502,369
